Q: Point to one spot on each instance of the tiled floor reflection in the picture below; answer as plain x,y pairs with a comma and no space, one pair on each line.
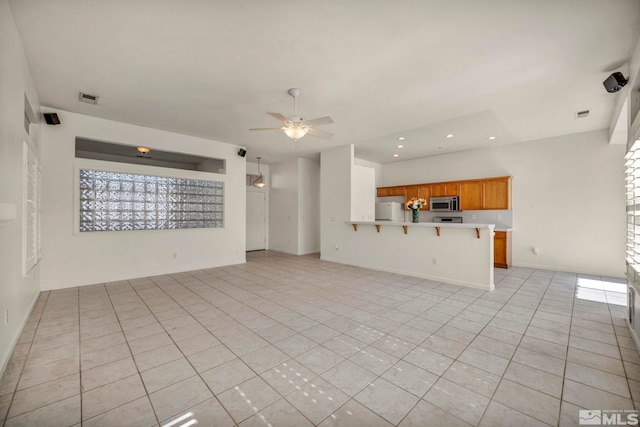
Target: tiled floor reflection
295,341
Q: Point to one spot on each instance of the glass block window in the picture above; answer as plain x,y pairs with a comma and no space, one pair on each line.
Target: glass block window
112,201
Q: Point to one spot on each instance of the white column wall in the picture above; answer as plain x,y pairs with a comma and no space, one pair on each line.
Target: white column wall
335,200
71,258
17,292
363,193
308,206
283,207
568,197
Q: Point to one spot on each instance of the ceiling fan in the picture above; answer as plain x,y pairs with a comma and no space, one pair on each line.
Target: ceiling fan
295,127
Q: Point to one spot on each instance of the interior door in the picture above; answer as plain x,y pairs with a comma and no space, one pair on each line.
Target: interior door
256,221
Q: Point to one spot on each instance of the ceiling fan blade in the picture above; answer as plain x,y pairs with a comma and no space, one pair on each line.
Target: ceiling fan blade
265,129
279,117
320,133
320,121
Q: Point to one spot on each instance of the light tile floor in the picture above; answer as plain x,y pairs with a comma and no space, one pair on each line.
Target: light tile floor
295,341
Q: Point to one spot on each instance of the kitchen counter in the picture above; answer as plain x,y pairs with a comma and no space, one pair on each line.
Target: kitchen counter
432,224
425,224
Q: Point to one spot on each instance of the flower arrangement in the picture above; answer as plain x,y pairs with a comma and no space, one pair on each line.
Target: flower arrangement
416,203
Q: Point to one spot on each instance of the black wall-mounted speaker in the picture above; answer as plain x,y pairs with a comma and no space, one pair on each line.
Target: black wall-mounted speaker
51,118
242,152
615,82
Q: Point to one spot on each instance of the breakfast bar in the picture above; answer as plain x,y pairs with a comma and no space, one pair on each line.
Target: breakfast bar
459,254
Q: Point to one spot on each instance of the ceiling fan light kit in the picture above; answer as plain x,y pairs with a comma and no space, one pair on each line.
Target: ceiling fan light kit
295,127
295,132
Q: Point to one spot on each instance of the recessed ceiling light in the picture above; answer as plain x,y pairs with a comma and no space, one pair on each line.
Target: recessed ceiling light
492,137
396,155
400,146
401,138
450,135
143,150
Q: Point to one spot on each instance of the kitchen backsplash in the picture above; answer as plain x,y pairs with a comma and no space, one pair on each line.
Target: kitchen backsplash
502,219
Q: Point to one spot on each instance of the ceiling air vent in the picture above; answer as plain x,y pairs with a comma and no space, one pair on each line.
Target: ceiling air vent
582,114
89,99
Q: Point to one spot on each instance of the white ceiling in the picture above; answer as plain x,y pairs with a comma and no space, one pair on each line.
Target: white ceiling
516,69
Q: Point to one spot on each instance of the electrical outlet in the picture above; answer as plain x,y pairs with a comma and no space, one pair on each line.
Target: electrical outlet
175,255
337,248
498,216
535,251
434,261
473,216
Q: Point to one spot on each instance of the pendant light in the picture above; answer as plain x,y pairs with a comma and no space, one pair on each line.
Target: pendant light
259,182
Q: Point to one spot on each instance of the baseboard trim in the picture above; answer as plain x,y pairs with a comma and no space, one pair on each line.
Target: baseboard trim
7,356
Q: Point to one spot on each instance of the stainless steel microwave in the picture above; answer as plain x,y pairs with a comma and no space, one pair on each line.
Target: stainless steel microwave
444,204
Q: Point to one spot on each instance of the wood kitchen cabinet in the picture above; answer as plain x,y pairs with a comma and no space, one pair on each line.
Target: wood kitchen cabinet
496,193
396,191
502,249
382,192
470,195
475,194
424,192
445,189
390,191
410,191
419,192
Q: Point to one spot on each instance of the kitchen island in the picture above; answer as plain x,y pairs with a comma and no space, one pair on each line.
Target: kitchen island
460,254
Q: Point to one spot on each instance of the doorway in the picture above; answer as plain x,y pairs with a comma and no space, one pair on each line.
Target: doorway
256,221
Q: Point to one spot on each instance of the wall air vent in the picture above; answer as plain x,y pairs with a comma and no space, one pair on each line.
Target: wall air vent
582,114
89,99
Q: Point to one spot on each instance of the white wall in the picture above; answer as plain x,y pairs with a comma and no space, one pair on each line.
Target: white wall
376,166
71,258
294,225
17,293
363,193
308,206
568,197
283,207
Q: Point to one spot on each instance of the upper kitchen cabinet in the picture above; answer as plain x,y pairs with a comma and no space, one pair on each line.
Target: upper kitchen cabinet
382,192
424,192
390,191
445,189
470,195
475,194
419,192
410,191
496,193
